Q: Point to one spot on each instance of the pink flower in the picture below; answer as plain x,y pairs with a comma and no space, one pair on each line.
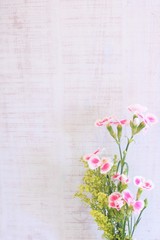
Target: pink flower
116,201
140,111
138,206
117,121
105,166
102,122
122,178
142,183
87,157
137,108
151,118
111,121
116,176
148,185
129,199
94,162
138,180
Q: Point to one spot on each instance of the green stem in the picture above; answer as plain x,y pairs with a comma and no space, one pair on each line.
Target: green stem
124,227
120,151
125,154
129,141
138,219
121,157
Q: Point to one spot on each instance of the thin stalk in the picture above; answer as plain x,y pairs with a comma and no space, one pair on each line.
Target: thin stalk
129,141
124,157
120,151
137,221
124,226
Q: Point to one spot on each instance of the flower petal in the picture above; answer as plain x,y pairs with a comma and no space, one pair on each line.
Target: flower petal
94,162
137,108
151,118
128,197
105,167
114,121
148,185
88,156
124,179
114,196
102,122
116,176
116,201
138,206
138,180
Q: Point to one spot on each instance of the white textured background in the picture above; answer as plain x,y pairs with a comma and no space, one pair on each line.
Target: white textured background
63,64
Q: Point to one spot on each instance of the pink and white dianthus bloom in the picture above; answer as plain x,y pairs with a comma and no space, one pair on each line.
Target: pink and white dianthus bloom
94,162
137,109
103,122
116,176
137,205
110,121
121,177
115,121
140,111
124,179
88,156
142,183
116,201
105,164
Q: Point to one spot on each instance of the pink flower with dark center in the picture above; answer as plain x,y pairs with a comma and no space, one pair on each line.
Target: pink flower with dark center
116,201
87,157
142,183
140,111
94,162
116,176
105,165
138,206
138,180
148,185
124,179
111,121
120,177
129,199
151,118
102,122
117,122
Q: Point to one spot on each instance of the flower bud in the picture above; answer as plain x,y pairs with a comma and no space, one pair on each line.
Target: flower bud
145,202
110,130
140,127
139,192
134,116
133,127
119,131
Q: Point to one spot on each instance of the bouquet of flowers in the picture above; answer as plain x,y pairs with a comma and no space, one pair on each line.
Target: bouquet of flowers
105,186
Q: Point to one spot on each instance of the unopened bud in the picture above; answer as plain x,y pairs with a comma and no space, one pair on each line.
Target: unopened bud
133,127
145,202
140,127
110,130
119,131
139,192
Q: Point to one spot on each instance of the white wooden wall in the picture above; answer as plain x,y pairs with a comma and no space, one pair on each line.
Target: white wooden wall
63,64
